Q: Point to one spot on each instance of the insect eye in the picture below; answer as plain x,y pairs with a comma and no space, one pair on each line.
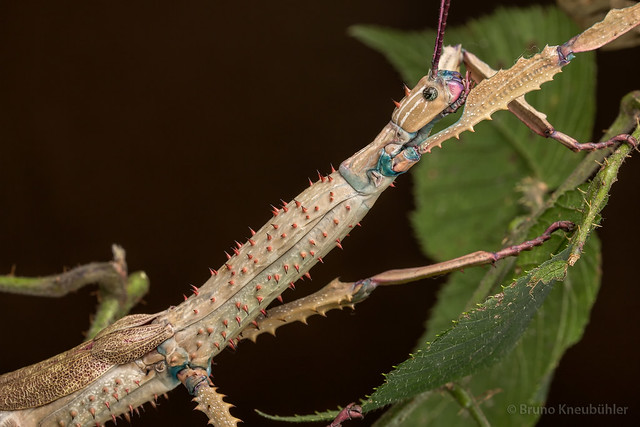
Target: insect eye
430,93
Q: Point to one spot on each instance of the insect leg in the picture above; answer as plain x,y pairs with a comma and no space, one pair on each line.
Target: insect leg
349,412
206,395
534,119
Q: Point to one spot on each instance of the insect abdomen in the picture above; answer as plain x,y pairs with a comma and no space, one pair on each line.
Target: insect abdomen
298,236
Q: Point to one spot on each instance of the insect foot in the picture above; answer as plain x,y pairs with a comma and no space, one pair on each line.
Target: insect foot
350,412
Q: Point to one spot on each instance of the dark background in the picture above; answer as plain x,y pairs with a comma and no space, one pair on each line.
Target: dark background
170,127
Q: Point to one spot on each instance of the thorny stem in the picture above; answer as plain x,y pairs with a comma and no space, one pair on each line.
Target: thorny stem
110,274
118,292
625,122
599,195
111,308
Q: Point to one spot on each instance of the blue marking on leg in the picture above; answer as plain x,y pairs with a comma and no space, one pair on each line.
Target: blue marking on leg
385,162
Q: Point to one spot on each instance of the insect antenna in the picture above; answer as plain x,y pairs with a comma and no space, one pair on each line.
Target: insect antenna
442,23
